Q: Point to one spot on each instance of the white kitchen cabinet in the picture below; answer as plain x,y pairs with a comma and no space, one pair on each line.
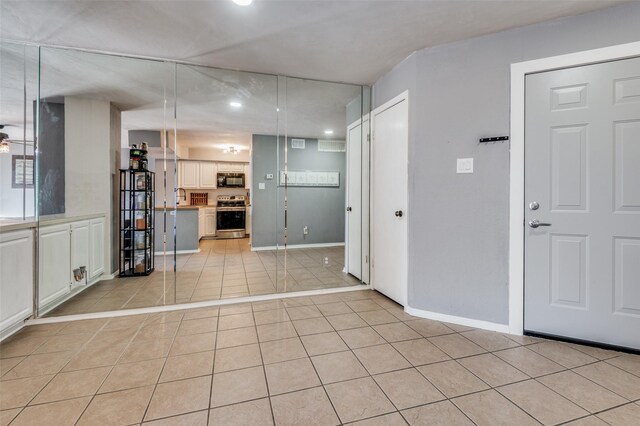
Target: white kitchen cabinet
54,252
209,222
200,223
231,167
96,241
80,248
208,175
16,278
247,176
189,174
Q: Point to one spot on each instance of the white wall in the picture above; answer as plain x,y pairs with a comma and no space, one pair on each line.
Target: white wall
217,154
11,203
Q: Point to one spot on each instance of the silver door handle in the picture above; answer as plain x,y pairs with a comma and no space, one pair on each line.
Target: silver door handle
535,223
398,213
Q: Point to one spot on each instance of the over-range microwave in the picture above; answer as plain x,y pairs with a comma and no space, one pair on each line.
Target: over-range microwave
230,180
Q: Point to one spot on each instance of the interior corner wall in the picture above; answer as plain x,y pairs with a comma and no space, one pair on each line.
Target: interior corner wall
115,140
459,223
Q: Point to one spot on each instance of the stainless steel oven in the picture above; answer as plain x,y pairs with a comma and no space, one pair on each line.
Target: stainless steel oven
231,213
230,180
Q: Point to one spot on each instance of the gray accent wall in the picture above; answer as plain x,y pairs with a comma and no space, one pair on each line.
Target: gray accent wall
458,93
321,209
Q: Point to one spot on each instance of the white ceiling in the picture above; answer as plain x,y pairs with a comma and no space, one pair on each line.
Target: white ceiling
338,40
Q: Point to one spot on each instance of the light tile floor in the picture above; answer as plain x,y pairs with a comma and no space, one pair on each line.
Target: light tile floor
222,269
339,358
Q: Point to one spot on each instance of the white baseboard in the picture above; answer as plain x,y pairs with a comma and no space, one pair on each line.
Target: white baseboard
169,253
297,246
469,322
194,305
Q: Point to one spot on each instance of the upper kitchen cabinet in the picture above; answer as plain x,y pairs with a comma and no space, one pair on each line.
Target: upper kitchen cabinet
247,176
189,174
208,175
231,167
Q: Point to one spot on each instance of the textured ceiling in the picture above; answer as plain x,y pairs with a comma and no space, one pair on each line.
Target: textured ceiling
338,40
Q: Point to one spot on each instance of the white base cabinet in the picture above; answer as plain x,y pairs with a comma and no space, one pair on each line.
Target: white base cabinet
209,222
96,241
16,279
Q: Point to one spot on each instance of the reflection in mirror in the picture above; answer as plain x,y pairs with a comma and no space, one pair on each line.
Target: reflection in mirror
320,185
96,222
18,88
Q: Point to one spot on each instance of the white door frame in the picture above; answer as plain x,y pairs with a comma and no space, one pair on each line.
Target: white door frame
404,96
517,160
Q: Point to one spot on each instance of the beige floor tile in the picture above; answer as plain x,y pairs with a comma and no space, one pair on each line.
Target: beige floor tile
541,402
117,408
254,413
306,407
393,419
18,393
134,321
442,413
93,358
38,365
65,342
381,358
200,313
363,305
236,337
346,321
626,415
492,409
529,362
237,357
335,308
270,316
291,376
396,332
199,418
407,388
196,326
587,421
7,364
228,322
595,352
184,396
492,370
187,366
238,386
21,345
361,337
358,399
452,379
420,351
242,308
490,340
303,312
562,354
6,416
133,375
312,326
338,366
456,346
59,413
276,331
73,384
282,350
146,349
157,331
84,326
612,378
377,317
628,362
194,343
581,391
324,343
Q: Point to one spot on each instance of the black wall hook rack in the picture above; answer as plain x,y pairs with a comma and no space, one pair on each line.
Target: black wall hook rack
494,139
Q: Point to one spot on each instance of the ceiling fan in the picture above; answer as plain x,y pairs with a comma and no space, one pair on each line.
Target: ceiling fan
5,141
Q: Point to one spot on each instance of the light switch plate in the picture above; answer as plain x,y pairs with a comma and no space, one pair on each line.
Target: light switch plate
261,185
464,165
269,176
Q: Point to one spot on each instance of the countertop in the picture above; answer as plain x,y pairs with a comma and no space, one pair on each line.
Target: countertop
186,207
8,225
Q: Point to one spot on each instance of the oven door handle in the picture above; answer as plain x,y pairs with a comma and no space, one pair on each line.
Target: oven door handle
231,209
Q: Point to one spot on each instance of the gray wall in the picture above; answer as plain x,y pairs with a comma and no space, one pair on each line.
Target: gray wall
186,229
458,224
321,209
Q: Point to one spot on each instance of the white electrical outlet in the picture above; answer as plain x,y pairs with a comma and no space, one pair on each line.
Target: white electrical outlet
261,185
464,165
305,230
326,260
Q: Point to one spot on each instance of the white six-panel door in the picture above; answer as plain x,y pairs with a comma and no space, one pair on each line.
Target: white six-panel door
354,200
582,186
389,183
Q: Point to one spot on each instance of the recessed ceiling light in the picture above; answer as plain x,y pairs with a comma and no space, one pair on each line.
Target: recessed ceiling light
328,132
243,2
235,104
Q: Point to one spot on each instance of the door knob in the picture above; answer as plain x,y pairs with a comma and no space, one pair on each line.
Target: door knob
398,213
536,223
534,205
348,209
